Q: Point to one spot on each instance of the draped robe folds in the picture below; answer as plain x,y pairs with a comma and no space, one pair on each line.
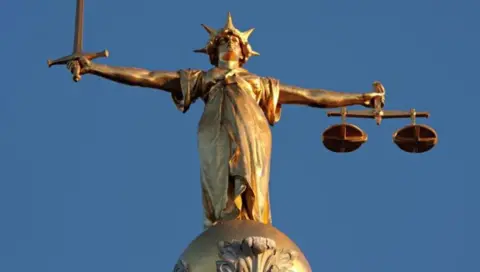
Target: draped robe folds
234,140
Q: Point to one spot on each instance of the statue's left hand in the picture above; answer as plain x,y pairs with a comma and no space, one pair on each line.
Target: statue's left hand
369,98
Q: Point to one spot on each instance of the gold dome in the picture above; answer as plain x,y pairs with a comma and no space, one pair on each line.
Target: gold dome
242,245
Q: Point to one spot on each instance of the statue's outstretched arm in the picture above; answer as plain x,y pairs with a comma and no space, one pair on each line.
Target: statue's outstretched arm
162,80
321,98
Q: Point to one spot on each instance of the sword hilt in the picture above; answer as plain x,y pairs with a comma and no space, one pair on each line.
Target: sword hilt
378,103
76,72
74,57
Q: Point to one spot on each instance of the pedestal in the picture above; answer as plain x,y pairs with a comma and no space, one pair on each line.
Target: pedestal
242,245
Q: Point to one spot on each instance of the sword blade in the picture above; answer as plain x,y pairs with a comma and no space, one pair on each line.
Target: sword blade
78,38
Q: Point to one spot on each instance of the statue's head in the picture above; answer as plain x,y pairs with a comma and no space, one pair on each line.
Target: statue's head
228,44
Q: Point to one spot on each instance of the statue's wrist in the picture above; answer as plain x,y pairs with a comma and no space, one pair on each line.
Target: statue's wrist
363,99
90,69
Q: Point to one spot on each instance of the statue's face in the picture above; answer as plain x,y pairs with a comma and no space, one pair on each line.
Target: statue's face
229,48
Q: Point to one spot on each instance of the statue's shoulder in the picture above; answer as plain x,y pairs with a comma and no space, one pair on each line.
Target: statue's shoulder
192,78
192,73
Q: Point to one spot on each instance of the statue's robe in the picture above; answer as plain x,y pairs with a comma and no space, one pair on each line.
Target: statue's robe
234,140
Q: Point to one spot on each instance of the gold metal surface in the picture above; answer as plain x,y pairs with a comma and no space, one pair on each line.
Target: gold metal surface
203,252
235,142
344,138
415,138
234,136
412,139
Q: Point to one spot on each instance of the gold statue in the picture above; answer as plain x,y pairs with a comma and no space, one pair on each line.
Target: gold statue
234,142
234,136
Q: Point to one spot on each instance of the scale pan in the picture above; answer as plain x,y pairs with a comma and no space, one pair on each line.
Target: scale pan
343,138
415,138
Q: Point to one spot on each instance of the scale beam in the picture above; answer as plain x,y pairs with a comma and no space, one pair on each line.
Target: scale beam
386,114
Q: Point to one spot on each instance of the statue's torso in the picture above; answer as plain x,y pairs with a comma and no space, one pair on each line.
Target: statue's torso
218,79
234,139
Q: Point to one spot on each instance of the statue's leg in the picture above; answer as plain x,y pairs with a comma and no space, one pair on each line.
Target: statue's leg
243,198
208,211
236,195
234,204
249,205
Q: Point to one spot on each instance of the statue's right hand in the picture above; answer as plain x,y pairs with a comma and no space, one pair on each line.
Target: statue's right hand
82,64
79,67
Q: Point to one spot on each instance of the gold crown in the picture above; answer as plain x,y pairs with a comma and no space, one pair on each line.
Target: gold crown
228,29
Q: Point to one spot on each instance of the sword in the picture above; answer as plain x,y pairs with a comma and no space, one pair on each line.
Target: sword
78,46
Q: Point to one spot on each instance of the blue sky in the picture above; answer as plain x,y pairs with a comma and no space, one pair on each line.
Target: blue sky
96,176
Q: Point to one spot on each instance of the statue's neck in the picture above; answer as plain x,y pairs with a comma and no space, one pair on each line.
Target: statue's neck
229,65
220,73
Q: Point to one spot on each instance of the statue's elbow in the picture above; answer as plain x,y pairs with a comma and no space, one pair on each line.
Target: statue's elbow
318,105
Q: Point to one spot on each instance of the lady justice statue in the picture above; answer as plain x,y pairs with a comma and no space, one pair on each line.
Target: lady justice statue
234,143
234,137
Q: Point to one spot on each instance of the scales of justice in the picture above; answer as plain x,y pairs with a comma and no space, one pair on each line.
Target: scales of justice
234,143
